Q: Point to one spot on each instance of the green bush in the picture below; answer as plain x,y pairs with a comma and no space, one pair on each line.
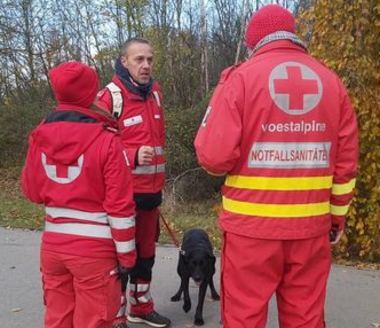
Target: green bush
19,115
186,180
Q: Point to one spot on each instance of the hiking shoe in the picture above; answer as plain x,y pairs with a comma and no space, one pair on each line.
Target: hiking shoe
152,319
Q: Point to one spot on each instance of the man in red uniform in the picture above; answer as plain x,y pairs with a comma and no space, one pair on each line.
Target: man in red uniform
76,167
281,127
136,101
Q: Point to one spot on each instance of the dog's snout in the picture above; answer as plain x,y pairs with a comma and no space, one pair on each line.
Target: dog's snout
197,278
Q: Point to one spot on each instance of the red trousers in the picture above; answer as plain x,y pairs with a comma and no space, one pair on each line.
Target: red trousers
79,292
147,233
254,269
140,299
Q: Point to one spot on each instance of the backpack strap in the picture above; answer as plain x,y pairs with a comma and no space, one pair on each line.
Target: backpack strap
117,99
157,97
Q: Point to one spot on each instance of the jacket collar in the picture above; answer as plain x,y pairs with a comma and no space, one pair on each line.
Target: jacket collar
107,121
279,35
279,45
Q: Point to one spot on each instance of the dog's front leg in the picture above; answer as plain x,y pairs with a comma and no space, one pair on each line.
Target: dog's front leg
215,296
177,296
180,270
186,297
198,321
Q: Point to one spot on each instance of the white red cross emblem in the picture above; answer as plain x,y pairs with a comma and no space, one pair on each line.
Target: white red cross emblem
295,88
61,173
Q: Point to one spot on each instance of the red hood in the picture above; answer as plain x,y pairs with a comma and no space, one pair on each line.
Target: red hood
64,142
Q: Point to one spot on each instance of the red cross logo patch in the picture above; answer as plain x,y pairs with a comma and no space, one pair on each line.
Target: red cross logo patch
61,173
295,88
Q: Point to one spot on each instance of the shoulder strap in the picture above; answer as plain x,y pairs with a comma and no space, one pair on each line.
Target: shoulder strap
117,99
157,97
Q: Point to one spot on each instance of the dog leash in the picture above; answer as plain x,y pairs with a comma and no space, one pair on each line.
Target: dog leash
171,233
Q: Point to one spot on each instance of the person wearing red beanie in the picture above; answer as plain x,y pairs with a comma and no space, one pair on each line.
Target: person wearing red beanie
268,20
74,84
76,168
290,160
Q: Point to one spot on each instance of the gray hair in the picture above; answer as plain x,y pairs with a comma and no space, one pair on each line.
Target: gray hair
131,41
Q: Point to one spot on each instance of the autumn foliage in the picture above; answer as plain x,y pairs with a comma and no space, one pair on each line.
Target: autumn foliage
345,36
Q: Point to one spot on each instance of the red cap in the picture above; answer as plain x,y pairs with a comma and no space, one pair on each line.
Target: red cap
267,20
74,84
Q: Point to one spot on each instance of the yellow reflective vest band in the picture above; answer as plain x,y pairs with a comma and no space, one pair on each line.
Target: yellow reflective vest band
343,188
276,183
276,210
339,210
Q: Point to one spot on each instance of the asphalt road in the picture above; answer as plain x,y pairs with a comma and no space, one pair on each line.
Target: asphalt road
353,299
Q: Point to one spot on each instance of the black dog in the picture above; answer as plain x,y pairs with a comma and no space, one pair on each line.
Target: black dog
196,260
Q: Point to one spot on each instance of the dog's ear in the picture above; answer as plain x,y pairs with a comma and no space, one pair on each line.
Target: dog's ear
210,254
182,256
186,257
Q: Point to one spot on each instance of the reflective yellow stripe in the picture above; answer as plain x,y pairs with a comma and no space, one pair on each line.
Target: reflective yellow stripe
339,210
266,183
343,188
276,210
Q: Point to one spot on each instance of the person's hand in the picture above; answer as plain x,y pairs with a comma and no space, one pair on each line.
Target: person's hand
335,236
123,274
145,155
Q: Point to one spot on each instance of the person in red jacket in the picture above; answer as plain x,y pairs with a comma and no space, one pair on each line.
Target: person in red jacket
281,127
76,167
136,101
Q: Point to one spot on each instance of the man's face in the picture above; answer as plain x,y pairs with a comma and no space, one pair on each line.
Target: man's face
138,60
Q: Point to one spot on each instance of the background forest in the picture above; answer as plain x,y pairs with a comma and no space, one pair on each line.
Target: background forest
193,41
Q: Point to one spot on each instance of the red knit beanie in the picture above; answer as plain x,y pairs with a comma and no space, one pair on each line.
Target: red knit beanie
267,20
74,84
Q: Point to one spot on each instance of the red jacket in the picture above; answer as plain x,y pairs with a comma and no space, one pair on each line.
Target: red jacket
141,124
282,127
76,167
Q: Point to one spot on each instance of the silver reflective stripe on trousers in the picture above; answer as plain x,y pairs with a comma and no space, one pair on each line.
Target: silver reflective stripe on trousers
123,307
79,229
149,169
147,297
158,150
121,223
139,288
122,311
125,246
60,212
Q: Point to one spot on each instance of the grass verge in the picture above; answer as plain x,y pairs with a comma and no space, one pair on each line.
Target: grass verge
192,215
19,213
15,210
